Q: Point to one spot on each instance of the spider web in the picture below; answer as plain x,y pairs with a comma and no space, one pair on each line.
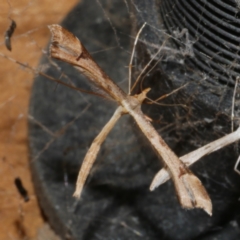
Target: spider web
181,118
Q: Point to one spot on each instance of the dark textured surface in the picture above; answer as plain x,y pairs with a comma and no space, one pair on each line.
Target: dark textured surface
116,202
212,93
214,27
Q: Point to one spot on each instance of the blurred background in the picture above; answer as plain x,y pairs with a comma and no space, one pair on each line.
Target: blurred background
19,219
117,200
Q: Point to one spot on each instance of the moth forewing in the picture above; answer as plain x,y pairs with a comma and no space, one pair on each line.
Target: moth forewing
66,47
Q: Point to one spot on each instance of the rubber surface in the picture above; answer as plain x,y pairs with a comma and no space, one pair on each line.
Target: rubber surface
116,202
